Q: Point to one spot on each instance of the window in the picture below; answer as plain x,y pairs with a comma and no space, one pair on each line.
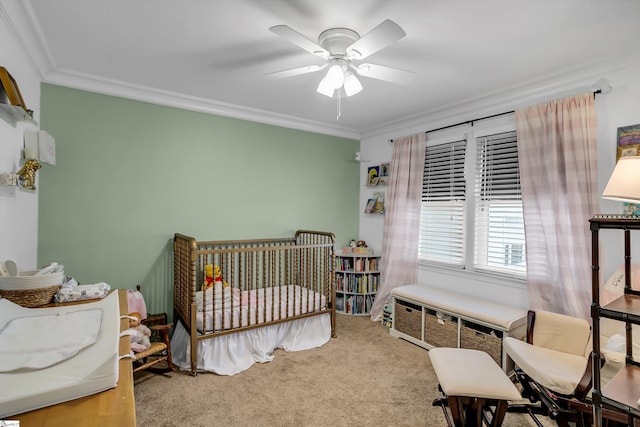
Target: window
443,199
499,226
484,224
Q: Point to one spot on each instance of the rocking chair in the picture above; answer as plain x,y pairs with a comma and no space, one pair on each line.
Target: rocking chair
553,367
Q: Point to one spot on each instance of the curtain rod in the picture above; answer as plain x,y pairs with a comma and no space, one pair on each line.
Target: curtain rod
595,92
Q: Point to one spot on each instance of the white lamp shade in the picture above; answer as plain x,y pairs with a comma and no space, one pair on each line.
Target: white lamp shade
351,85
624,183
335,76
325,88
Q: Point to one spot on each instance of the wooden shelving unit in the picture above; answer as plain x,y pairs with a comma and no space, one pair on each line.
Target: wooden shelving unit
623,391
357,280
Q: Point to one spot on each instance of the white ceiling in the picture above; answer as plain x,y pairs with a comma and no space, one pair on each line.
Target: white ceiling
212,55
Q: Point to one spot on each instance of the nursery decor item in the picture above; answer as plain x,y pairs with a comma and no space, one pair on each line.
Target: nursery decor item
28,288
27,174
140,340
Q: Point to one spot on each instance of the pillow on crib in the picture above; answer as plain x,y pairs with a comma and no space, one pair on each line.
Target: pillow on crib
614,287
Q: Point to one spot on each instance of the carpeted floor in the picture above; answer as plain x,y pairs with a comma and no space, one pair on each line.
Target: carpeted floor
364,377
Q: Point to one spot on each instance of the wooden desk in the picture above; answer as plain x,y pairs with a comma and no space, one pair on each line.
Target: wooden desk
114,407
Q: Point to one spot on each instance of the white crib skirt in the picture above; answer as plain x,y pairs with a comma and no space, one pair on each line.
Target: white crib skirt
233,353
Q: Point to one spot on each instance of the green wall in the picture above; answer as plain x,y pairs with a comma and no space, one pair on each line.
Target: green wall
131,174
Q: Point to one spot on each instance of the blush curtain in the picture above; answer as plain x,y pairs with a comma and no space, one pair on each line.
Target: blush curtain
558,172
399,263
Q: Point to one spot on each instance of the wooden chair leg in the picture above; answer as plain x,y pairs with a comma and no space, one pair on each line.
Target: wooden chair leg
457,411
501,411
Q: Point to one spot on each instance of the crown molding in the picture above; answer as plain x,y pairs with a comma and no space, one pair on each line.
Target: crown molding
91,83
21,21
562,84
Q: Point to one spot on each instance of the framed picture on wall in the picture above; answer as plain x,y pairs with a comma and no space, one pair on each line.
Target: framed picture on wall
628,144
371,204
384,169
373,173
627,150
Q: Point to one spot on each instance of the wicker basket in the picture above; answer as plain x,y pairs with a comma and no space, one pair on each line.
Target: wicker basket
408,319
440,331
480,337
30,297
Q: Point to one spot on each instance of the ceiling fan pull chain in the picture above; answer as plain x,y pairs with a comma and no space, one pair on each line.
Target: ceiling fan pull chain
339,98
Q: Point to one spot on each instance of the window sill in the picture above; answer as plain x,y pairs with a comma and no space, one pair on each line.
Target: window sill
476,276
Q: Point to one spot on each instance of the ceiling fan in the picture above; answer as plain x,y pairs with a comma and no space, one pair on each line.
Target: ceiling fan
340,47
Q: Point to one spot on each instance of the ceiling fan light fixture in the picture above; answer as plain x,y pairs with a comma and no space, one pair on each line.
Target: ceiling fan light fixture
335,76
325,88
352,85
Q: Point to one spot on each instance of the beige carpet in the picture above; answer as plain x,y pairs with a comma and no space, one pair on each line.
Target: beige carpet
364,377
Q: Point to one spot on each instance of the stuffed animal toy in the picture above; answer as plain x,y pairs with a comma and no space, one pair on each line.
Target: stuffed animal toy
213,275
208,276
140,341
217,276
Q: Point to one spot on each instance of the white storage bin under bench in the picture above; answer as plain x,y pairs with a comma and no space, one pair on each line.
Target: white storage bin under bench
432,317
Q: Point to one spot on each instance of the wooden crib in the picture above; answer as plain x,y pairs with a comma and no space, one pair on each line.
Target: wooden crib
260,283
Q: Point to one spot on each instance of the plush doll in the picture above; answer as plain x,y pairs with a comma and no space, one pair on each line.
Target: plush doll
217,276
213,275
140,341
208,276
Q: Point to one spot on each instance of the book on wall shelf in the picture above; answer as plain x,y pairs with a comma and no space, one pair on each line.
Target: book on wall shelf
378,175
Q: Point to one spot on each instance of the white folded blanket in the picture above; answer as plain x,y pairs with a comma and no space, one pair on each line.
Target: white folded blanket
38,342
82,292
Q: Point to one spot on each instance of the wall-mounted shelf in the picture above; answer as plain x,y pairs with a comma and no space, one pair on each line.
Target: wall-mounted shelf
8,190
13,114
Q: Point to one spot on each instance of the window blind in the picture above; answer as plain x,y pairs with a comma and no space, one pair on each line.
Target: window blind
443,195
499,224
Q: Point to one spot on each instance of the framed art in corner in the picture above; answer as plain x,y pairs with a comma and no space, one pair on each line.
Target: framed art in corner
10,91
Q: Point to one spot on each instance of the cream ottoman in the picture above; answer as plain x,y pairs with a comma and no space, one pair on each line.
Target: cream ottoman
471,382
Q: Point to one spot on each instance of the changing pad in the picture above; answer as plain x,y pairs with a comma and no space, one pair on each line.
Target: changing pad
92,368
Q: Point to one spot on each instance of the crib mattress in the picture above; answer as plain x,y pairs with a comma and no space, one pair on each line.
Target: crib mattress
93,369
255,306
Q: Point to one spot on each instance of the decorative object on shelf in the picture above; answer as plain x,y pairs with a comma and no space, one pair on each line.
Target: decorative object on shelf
27,174
372,175
387,315
358,159
379,204
9,91
40,146
384,169
8,179
378,175
371,204
359,247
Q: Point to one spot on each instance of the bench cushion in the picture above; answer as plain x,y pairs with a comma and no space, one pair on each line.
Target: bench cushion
472,373
501,316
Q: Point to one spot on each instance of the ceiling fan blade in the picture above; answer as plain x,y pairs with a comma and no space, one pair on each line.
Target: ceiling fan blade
380,37
299,40
382,72
296,71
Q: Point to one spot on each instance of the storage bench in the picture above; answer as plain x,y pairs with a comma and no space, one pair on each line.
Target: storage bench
431,317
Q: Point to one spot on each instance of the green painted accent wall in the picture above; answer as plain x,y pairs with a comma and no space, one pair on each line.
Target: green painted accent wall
130,174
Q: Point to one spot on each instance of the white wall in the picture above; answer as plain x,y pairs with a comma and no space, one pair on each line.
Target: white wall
619,108
19,213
